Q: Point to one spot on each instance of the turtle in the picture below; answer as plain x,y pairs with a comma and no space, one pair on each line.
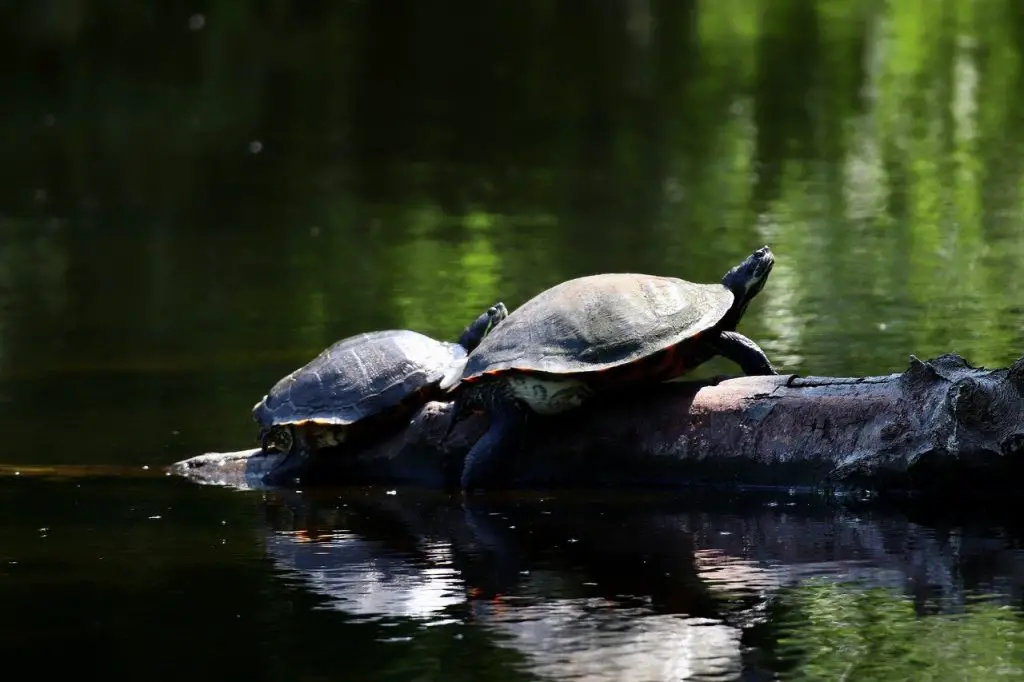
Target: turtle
358,388
599,334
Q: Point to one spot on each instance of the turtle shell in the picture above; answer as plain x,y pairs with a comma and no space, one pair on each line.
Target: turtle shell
595,323
357,378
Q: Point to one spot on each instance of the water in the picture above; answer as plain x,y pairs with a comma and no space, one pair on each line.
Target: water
197,197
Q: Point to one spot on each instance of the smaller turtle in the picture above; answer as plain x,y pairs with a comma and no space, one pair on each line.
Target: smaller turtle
599,334
358,388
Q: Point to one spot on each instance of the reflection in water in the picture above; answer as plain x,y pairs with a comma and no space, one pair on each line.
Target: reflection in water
587,639
614,589
365,578
405,178
197,197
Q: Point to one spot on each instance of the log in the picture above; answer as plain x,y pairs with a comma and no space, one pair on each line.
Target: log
940,424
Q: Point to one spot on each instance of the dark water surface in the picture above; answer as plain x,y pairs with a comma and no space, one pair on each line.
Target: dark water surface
197,197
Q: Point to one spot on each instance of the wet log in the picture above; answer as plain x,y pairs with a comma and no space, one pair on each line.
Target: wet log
940,424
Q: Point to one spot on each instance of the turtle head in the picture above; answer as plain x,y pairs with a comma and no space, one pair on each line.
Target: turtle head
482,326
280,439
747,279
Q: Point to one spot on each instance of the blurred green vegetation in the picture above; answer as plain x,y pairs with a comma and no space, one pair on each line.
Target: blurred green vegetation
829,631
223,188
197,197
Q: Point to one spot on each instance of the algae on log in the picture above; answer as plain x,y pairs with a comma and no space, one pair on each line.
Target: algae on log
941,423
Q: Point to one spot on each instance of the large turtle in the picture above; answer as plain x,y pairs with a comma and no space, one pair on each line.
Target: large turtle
598,334
358,388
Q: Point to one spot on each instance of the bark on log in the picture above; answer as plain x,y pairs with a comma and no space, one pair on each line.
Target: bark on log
940,424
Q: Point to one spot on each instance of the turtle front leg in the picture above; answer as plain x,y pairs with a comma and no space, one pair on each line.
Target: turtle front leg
744,352
496,447
461,408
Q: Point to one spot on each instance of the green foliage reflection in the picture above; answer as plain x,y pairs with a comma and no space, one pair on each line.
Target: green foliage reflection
845,632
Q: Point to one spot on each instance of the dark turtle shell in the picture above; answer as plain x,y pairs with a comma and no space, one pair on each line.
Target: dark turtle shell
358,378
595,323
